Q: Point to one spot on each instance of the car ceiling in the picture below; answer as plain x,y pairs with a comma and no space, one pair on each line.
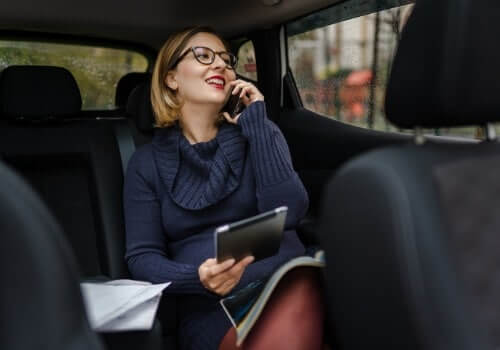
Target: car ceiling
147,22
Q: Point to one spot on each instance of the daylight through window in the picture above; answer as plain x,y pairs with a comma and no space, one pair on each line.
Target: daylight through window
96,70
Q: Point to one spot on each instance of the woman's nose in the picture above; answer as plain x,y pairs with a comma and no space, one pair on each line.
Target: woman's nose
218,62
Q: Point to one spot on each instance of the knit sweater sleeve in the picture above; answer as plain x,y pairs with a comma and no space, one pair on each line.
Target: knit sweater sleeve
146,243
277,183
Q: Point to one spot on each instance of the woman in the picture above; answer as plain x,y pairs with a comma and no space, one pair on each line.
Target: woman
203,170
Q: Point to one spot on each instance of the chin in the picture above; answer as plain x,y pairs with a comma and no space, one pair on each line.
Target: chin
219,98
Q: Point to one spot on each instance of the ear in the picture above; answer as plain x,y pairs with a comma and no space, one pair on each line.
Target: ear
171,81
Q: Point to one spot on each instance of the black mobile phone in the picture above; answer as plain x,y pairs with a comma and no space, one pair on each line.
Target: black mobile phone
233,104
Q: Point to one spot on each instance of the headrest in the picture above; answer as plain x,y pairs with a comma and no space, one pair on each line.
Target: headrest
126,84
445,72
38,91
139,107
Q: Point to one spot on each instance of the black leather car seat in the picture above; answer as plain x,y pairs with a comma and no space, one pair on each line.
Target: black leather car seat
411,233
41,305
74,164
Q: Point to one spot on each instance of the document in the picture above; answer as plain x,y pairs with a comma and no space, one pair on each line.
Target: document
121,305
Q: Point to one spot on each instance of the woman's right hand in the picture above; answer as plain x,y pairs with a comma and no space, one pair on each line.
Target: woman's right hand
223,277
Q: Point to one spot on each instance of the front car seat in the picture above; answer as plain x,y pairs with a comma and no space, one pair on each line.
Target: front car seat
411,233
41,306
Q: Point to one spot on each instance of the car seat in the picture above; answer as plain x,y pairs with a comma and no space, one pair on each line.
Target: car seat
411,232
41,305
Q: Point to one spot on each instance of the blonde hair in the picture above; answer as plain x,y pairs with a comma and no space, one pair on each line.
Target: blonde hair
166,105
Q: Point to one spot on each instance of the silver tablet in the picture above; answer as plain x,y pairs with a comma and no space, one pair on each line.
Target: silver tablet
258,235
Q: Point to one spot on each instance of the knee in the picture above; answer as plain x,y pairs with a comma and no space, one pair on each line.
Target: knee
302,290
304,281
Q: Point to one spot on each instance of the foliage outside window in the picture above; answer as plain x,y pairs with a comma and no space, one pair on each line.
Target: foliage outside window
96,69
342,69
247,67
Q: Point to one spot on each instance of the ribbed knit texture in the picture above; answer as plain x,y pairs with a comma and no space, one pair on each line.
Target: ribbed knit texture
208,172
270,154
176,194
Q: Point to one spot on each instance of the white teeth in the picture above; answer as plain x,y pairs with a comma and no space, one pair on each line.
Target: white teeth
215,81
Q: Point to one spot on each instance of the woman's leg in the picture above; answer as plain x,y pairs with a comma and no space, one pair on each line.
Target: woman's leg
229,341
292,319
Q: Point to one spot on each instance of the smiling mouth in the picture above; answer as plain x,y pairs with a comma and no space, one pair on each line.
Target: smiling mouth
216,82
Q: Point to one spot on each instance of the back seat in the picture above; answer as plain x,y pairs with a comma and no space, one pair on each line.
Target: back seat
40,282
74,161
73,164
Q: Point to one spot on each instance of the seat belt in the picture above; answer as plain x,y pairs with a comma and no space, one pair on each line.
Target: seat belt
125,141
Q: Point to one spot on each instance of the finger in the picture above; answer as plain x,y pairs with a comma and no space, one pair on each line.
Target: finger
226,287
218,268
236,118
208,272
237,270
246,90
240,85
237,85
246,261
228,118
234,82
249,259
251,93
219,280
245,99
209,262
205,266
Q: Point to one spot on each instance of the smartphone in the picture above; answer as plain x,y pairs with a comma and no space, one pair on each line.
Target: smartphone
233,104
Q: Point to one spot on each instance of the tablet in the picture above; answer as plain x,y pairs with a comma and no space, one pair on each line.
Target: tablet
258,235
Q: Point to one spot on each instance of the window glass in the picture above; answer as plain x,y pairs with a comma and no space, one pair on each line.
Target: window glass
96,69
341,59
247,67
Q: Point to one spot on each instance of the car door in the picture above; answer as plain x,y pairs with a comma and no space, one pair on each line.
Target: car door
324,76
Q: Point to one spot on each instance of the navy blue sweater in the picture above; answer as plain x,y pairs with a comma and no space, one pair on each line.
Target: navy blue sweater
176,194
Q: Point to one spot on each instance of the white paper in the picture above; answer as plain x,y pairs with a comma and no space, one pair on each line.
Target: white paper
121,305
139,318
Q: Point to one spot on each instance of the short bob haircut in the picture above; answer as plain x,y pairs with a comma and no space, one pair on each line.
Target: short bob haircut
166,105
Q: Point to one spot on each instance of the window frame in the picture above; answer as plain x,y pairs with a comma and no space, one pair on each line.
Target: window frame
66,39
293,90
366,8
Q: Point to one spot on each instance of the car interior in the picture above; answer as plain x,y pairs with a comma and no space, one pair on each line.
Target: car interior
388,108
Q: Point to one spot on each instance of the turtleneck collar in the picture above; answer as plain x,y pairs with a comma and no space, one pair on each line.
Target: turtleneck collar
197,176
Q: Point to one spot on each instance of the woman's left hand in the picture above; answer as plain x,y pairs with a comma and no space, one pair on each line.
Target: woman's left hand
248,94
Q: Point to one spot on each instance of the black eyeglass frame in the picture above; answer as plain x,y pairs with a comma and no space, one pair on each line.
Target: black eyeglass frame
193,48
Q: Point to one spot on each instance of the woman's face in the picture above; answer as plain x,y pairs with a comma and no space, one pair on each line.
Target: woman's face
197,83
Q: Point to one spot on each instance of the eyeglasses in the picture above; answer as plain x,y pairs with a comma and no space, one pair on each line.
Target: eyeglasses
205,55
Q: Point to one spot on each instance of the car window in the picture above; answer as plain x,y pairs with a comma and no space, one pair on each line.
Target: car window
96,69
247,66
341,58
